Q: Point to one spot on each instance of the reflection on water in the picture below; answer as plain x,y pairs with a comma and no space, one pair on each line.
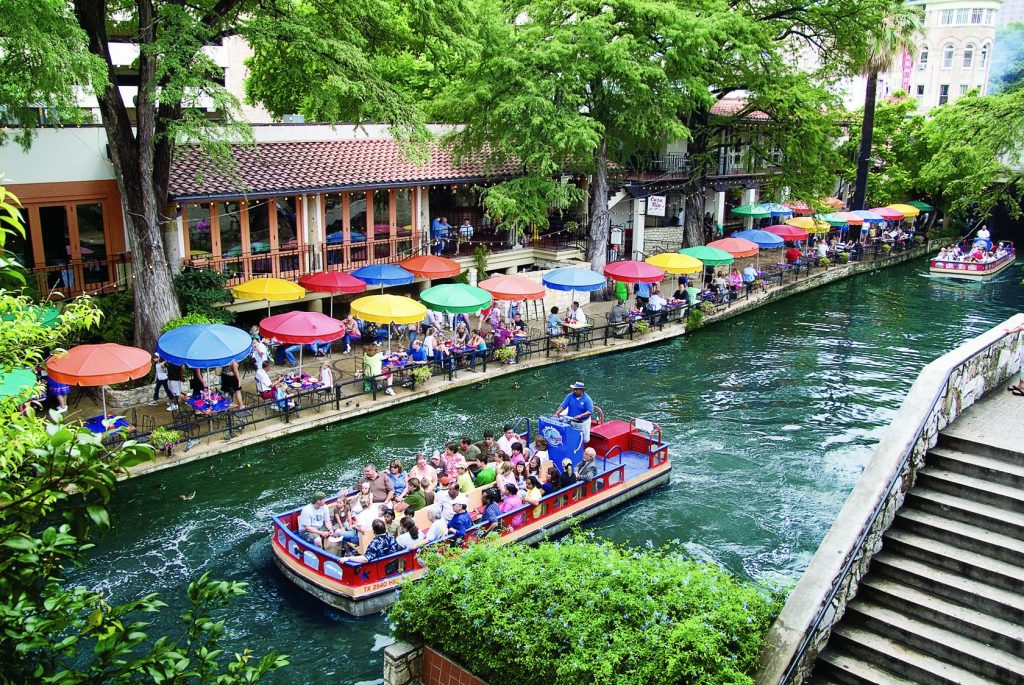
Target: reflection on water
771,418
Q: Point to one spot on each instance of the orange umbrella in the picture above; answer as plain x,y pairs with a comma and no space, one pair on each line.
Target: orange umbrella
92,365
513,288
737,247
430,266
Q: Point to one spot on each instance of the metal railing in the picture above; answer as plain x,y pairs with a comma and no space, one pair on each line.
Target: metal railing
95,276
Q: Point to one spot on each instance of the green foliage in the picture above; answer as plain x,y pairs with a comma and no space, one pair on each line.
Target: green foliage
604,614
561,342
118,322
523,203
161,438
1006,73
480,255
844,257
707,307
824,261
422,374
199,291
505,353
641,327
188,320
886,248
695,319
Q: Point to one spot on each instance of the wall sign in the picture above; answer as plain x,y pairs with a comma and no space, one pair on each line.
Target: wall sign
656,205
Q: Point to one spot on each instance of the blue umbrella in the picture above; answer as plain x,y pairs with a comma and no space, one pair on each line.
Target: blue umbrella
776,209
574,279
869,217
202,346
384,274
763,239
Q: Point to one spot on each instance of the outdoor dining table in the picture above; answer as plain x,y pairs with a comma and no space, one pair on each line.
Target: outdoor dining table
214,405
303,382
95,424
577,332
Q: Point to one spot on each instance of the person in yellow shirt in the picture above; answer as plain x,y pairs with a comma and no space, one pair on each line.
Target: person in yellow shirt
465,479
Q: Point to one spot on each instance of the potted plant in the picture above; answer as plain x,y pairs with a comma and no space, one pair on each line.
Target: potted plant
641,327
824,261
707,307
561,342
844,257
886,248
164,439
422,374
918,239
505,354
694,320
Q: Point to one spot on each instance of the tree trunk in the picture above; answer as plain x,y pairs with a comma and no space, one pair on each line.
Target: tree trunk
866,133
143,190
693,229
597,238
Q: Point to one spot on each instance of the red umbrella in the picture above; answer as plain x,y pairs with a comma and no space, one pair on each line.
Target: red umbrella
630,271
332,282
430,266
302,328
888,213
851,218
513,288
92,365
787,232
799,208
737,247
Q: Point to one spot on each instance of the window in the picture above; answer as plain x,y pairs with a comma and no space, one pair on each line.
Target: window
198,230
963,88
983,57
989,16
381,213
403,208
922,58
287,222
920,90
947,56
21,245
943,94
946,17
229,215
976,16
961,15
357,216
968,56
332,218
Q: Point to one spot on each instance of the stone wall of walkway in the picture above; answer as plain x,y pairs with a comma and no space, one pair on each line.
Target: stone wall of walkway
943,390
271,430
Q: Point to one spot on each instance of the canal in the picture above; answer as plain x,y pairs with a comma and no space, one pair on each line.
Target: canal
771,417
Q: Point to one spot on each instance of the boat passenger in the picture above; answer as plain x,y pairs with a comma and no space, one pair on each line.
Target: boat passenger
511,502
487,475
381,545
444,499
588,467
413,499
505,476
409,538
578,407
315,521
492,511
509,436
464,479
540,448
552,483
424,473
397,476
535,491
533,468
488,446
568,477
468,450
460,521
519,453
451,457
381,487
390,522
439,467
344,525
438,526
520,474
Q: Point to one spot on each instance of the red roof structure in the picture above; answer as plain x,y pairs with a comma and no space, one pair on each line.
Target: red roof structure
731,106
266,169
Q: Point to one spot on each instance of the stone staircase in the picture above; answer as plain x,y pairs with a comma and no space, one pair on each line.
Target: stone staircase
943,601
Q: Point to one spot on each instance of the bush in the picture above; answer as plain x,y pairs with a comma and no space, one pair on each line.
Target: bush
117,324
588,612
641,327
504,354
844,257
422,374
824,261
694,320
162,438
707,307
886,248
199,291
188,320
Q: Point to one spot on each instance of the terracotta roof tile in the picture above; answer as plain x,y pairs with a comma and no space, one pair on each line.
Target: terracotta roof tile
268,168
731,106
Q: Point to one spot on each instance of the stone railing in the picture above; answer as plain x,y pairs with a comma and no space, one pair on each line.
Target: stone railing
943,390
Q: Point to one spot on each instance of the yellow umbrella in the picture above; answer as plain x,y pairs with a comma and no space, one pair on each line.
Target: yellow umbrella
810,224
907,211
675,263
388,309
269,289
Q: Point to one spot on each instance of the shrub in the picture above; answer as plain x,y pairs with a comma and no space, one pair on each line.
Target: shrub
918,239
189,320
844,257
504,354
707,307
118,322
824,261
199,291
422,374
694,320
480,256
641,327
886,248
588,612
161,438
561,342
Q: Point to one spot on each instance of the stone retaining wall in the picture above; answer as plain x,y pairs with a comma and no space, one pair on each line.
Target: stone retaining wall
409,664
943,390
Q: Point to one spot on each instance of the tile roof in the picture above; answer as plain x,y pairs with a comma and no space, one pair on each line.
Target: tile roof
272,168
731,106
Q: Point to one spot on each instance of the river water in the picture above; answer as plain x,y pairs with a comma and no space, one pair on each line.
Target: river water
771,417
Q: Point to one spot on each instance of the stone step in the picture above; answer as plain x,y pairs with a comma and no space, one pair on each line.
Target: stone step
976,465
963,535
967,592
996,519
843,669
951,558
937,642
981,449
975,489
925,606
900,659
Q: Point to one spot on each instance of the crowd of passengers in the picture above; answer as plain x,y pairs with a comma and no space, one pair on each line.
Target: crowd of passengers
977,253
383,502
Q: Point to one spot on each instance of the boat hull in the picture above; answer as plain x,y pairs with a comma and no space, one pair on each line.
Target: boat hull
969,271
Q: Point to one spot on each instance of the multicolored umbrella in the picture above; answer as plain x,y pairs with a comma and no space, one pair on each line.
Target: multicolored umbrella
676,263
869,216
332,282
46,316
710,256
431,266
737,247
763,239
203,346
800,208
908,211
831,219
787,232
851,218
572,279
778,210
512,288
456,298
102,365
302,328
632,271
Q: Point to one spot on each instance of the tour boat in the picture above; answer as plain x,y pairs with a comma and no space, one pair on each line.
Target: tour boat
975,271
632,459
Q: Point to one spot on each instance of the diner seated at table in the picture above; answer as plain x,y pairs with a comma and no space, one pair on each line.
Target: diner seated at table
284,399
373,366
477,346
576,315
735,279
793,256
554,322
264,384
418,355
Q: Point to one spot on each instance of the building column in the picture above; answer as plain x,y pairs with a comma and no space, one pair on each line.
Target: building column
315,305
749,198
720,208
638,227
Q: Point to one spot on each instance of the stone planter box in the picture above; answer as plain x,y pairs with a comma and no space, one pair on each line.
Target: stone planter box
125,399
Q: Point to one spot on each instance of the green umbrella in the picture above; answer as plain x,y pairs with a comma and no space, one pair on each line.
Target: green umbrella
923,206
754,211
46,316
456,298
831,219
711,256
16,382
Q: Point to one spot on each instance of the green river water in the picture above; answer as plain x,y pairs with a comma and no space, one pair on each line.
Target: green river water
771,417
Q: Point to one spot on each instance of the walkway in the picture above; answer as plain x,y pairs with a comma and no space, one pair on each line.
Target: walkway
942,602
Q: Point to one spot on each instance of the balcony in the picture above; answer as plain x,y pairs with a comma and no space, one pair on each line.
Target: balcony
92,276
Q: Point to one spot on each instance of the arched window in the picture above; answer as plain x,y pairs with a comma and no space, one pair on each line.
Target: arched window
947,56
983,58
968,56
922,57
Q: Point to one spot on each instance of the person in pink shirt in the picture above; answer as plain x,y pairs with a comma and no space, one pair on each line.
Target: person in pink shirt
512,502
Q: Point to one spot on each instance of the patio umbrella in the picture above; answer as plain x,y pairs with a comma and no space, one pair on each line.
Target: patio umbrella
302,328
388,309
710,256
15,382
631,271
763,239
851,218
572,279
332,282
809,224
269,289
676,263
384,274
430,266
513,288
908,211
833,202
777,210
787,232
831,219
46,316
92,365
869,216
799,208
737,247
922,206
203,346
887,213
753,211
456,298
